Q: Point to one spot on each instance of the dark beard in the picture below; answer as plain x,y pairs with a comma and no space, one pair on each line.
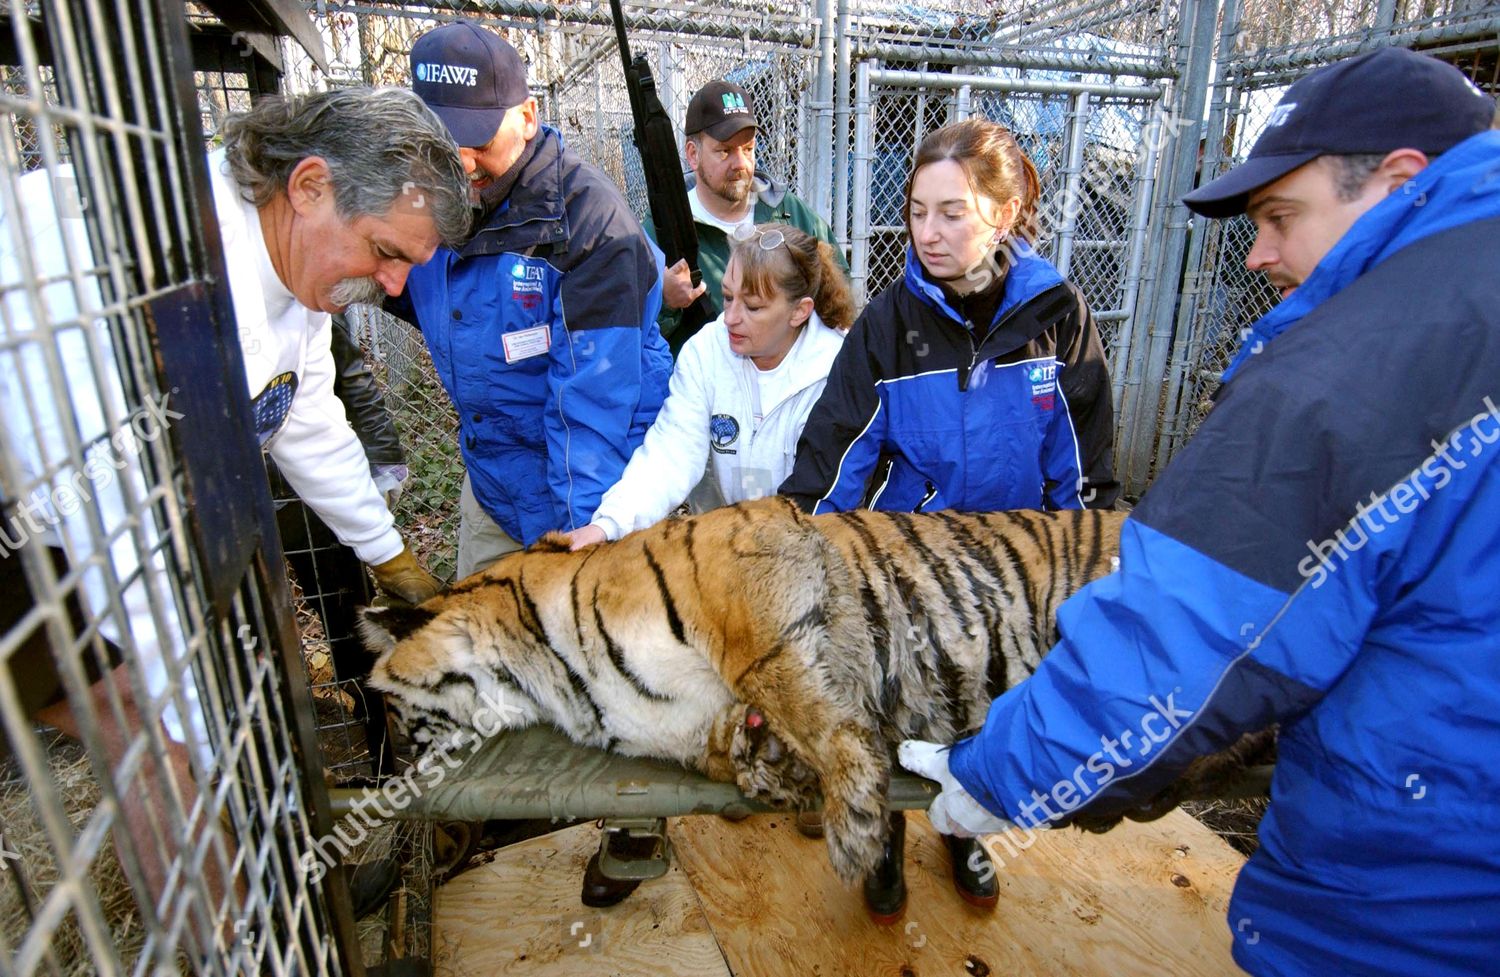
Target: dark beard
722,190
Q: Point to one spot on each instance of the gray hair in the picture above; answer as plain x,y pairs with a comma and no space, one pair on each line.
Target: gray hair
379,143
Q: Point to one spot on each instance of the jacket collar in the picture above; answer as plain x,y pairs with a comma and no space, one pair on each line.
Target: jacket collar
768,192
1030,275
534,215
815,348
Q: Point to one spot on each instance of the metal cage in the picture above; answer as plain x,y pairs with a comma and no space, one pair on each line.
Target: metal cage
147,610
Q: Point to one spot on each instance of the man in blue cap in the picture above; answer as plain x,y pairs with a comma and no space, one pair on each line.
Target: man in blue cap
542,325
1322,555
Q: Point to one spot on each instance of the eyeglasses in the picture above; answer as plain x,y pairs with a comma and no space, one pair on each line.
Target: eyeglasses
769,240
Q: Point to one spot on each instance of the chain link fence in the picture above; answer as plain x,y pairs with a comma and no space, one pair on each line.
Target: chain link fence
1279,41
1091,155
996,31
591,108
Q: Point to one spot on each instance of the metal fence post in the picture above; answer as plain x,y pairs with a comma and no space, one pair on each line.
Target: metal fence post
859,243
841,133
820,180
1072,183
919,129
599,128
1139,233
1186,341
1157,305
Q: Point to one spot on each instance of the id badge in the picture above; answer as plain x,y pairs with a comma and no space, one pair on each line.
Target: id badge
526,343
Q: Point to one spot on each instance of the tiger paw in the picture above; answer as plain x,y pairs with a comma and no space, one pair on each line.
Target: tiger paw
767,769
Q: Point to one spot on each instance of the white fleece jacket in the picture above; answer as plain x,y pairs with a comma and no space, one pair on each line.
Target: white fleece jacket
315,448
705,435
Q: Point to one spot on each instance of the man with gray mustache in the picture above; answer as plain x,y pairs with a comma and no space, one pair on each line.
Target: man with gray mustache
320,201
315,217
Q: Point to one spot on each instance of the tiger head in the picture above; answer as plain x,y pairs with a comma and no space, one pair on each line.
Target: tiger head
453,667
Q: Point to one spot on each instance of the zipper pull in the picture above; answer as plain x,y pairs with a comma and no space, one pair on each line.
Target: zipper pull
965,373
931,494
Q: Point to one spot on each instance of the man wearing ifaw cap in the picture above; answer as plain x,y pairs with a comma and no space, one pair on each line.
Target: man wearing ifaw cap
1322,555
542,324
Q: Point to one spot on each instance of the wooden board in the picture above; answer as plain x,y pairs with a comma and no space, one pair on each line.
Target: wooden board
1143,899
520,915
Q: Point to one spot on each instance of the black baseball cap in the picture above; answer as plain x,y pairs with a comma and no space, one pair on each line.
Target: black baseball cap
721,109
1376,103
469,77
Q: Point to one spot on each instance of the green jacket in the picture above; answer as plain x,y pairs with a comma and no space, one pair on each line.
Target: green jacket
774,204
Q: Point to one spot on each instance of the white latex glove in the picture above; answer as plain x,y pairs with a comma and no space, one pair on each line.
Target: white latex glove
389,480
954,811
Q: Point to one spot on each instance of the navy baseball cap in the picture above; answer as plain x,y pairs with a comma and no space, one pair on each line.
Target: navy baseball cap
1376,103
721,108
469,77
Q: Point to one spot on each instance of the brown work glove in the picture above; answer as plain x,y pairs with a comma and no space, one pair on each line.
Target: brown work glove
403,578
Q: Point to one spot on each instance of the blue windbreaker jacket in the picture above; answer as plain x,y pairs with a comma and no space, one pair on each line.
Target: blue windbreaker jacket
543,331
1325,553
918,417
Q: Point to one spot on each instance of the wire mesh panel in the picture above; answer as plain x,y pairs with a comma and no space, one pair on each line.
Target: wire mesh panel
1221,297
155,813
592,109
989,32
1090,154
1225,297
1280,39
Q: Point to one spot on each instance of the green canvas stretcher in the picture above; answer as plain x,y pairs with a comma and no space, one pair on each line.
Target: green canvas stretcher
539,773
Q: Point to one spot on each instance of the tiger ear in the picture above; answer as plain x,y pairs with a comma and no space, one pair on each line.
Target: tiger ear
382,627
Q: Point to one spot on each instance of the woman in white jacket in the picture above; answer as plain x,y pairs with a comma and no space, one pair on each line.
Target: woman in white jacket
742,387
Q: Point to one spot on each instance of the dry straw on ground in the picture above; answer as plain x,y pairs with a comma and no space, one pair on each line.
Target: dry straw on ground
26,881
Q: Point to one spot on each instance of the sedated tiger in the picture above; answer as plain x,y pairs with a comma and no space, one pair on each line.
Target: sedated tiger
847,632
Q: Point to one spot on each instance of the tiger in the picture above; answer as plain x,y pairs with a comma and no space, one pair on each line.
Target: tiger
785,653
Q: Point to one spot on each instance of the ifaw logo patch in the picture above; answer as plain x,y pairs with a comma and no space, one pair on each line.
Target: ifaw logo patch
723,431
447,74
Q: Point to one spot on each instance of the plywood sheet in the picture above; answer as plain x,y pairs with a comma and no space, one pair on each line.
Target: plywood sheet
756,899
520,915
1143,899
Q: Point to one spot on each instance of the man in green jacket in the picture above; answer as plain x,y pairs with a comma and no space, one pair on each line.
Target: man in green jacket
725,190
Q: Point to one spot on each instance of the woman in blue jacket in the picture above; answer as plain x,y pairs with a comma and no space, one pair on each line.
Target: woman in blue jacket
976,382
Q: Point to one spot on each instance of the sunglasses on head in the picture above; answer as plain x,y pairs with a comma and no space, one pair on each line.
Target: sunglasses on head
769,240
